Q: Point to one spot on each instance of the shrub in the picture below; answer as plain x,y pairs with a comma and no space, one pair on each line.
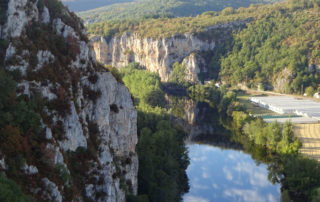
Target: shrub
227,11
3,11
91,94
178,74
93,78
10,140
114,108
115,73
10,191
310,91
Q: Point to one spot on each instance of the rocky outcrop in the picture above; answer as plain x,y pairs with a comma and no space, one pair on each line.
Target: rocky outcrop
282,79
88,120
159,54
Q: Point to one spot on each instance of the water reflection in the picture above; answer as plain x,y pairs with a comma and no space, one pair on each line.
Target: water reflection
227,175
219,170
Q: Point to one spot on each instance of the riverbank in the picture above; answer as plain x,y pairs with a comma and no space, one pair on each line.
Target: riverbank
306,129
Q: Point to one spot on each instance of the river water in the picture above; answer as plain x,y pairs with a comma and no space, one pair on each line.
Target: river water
217,174
219,170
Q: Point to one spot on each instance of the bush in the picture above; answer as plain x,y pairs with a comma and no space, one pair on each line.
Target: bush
310,91
178,74
274,136
10,191
227,11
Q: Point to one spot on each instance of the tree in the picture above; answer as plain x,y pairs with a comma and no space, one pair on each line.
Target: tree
310,91
178,74
10,191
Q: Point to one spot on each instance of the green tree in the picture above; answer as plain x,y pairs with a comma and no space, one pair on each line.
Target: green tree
10,191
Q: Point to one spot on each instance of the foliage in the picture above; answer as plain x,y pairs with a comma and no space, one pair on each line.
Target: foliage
207,92
162,154
142,9
310,91
3,11
144,86
163,161
279,42
115,72
178,74
282,43
275,136
10,191
168,27
14,111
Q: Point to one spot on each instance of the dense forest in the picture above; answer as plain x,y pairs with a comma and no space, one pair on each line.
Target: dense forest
283,45
137,9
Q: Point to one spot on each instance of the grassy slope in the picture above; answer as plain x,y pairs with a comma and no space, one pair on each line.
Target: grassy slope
142,8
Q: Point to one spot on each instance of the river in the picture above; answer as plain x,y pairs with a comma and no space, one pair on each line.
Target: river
219,169
217,174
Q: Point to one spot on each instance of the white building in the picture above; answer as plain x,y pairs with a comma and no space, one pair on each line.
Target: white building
289,105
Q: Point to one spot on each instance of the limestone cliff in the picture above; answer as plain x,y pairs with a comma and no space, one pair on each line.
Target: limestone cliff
159,54
88,120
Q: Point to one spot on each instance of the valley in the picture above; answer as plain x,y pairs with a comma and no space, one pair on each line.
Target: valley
148,101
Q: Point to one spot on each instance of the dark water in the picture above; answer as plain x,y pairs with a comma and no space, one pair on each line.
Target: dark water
217,174
219,170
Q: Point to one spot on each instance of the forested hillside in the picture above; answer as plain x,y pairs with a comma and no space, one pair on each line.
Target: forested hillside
83,5
137,9
278,49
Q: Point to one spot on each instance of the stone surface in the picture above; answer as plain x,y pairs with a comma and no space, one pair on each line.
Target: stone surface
159,54
63,135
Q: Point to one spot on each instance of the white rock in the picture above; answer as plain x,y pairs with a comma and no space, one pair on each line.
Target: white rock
21,66
3,165
74,133
63,29
30,170
90,191
194,65
18,18
58,159
44,57
48,134
51,192
11,50
45,16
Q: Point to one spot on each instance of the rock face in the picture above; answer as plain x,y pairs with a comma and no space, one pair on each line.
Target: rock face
158,55
89,121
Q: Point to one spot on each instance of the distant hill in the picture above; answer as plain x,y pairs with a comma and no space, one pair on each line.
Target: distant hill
156,8
278,49
83,5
